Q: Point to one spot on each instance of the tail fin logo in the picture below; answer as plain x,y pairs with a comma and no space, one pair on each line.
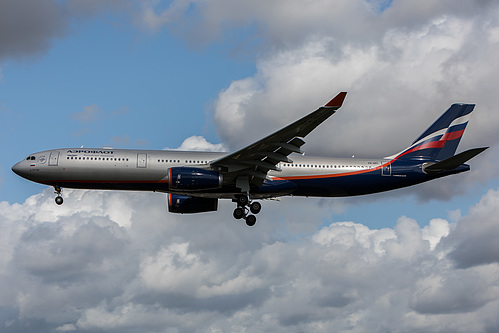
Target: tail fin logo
441,139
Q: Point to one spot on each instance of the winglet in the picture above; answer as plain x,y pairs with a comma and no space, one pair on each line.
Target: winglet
337,101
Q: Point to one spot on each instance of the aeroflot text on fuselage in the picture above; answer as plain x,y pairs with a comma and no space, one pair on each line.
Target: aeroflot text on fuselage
73,151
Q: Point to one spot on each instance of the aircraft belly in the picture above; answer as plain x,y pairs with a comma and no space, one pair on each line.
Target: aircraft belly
352,185
113,177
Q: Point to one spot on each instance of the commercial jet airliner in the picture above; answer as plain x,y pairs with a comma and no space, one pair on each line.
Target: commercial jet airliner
195,181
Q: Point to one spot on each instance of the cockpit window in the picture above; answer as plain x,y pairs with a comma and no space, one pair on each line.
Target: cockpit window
30,158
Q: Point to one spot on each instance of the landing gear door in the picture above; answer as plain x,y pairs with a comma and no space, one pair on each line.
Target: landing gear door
54,158
141,160
386,170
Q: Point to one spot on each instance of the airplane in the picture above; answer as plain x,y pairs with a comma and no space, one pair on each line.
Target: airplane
195,181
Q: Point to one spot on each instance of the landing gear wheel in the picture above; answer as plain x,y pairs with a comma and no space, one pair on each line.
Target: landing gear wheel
255,207
58,199
238,213
242,200
250,220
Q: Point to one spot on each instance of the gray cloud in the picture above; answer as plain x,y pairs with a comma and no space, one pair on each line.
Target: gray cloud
474,246
117,261
28,27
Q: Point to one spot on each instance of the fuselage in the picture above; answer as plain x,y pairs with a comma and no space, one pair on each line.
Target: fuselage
148,170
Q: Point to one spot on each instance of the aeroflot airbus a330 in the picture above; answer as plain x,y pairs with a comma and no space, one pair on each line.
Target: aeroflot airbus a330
194,181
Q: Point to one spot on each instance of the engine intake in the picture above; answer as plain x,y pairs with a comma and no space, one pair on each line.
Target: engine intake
192,179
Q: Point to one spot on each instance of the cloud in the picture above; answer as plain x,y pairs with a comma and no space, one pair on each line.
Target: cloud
28,27
89,114
477,246
199,143
118,261
285,24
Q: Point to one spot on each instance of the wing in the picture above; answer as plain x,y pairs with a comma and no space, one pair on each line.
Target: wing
252,163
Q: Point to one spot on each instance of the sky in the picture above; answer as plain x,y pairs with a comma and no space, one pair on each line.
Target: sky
218,75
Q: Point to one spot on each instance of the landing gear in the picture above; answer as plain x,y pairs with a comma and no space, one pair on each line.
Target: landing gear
242,200
250,220
255,207
244,206
58,200
239,213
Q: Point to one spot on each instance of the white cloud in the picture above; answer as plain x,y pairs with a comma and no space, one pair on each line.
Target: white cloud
435,230
199,143
117,261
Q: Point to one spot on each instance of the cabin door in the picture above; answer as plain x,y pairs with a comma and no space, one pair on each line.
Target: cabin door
141,160
386,170
54,158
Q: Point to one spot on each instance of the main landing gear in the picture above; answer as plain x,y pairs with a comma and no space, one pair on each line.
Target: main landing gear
58,200
244,206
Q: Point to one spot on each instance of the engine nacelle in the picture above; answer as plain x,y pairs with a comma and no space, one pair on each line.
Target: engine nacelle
184,204
193,179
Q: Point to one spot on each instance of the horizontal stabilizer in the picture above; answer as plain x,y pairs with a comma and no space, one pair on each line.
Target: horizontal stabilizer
453,162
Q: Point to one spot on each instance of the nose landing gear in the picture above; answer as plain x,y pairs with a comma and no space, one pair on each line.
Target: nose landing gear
58,200
244,206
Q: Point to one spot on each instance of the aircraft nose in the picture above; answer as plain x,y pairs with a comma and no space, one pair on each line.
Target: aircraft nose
18,169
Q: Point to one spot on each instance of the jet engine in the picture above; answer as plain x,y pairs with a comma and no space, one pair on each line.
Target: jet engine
193,179
184,204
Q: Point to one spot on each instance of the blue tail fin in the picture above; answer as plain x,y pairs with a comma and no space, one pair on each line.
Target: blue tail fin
441,139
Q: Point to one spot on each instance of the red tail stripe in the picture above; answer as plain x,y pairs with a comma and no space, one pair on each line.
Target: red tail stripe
452,135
